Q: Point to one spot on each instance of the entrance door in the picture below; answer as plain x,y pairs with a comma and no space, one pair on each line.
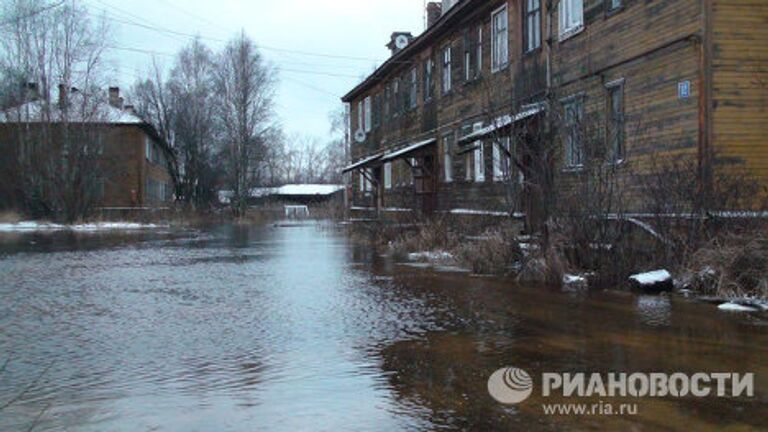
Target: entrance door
425,182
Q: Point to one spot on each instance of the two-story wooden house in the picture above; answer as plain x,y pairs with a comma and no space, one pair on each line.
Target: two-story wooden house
450,121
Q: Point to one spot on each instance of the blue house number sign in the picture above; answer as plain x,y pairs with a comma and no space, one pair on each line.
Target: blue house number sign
684,90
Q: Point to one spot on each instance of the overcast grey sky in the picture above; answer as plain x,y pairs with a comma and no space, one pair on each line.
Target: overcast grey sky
288,32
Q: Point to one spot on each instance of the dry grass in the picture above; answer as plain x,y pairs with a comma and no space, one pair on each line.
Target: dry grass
10,217
733,267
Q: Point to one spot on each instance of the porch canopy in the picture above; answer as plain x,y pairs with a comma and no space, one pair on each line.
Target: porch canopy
503,122
408,150
362,163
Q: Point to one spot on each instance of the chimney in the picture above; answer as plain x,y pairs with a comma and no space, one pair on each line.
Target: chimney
114,97
434,11
63,96
398,41
130,109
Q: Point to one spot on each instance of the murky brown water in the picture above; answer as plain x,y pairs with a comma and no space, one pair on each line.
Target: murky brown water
292,328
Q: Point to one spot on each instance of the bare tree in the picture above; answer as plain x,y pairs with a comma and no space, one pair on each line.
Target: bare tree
245,85
193,105
56,46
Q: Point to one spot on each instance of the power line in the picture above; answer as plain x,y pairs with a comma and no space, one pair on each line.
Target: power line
31,14
160,29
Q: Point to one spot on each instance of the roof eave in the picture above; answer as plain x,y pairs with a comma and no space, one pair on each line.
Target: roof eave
407,51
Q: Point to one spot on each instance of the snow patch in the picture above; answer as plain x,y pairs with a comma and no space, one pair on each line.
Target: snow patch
32,226
430,256
735,307
652,278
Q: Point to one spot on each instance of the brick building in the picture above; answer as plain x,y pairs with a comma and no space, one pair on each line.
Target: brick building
132,160
449,123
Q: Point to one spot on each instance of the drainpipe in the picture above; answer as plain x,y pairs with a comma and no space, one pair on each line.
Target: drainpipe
705,108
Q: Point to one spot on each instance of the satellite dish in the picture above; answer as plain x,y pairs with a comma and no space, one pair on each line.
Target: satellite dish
401,41
359,136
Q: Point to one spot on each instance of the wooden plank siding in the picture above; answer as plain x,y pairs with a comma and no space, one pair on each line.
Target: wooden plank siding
740,86
718,47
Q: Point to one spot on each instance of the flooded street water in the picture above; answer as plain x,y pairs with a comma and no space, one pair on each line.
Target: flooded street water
291,327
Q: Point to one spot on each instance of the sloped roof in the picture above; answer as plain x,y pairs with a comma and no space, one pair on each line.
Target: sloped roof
79,110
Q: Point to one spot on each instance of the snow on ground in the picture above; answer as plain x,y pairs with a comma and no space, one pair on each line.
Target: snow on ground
33,226
735,307
430,256
652,278
569,279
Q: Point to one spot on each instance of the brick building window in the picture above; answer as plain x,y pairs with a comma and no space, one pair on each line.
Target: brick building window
429,79
615,115
448,140
532,31
499,38
574,146
447,69
396,97
571,17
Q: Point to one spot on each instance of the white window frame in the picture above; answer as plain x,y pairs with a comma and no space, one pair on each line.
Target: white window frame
447,69
479,156
388,175
367,109
532,23
571,18
448,141
499,39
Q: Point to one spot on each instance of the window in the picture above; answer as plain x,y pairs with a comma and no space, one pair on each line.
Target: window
615,117
571,17
360,115
468,64
612,5
413,91
148,148
574,150
479,49
388,175
429,82
377,110
361,180
448,140
447,69
501,159
387,98
532,32
468,161
500,39
367,110
396,97
479,156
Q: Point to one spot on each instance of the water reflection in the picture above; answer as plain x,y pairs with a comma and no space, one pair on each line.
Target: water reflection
293,328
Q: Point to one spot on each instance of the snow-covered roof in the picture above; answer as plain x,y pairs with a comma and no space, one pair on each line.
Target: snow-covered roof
79,111
362,162
503,121
288,190
408,149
